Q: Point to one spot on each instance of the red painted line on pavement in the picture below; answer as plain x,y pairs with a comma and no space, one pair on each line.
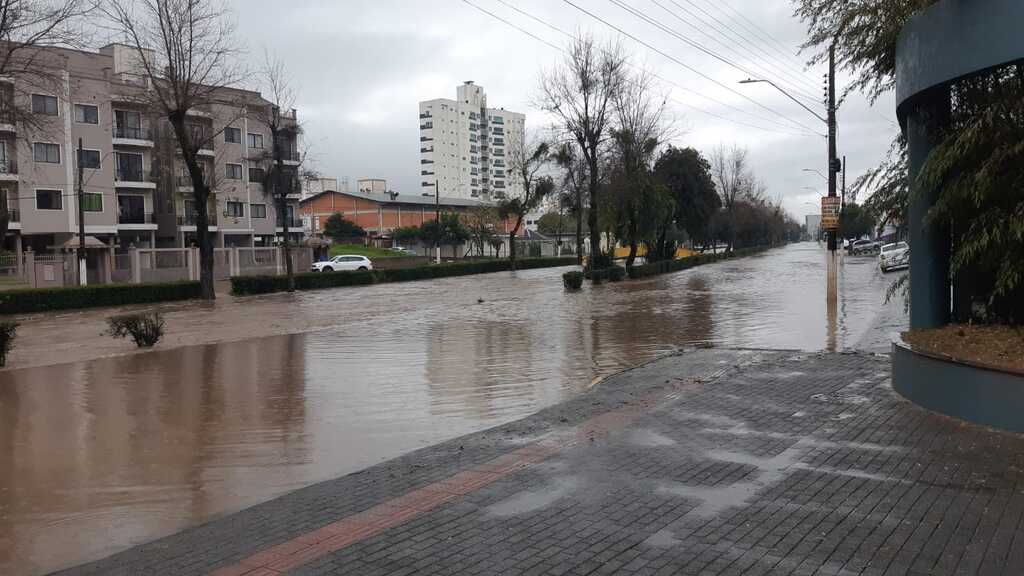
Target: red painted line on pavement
307,547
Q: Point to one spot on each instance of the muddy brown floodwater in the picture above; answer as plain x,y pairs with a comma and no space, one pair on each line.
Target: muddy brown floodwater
98,455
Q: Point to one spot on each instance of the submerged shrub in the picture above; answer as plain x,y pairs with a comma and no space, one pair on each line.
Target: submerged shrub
8,332
145,328
573,280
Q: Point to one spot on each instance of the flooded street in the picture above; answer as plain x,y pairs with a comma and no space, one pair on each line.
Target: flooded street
98,455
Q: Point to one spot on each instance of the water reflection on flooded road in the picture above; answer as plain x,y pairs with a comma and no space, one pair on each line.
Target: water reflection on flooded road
98,455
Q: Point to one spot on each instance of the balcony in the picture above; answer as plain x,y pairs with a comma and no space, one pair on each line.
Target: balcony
425,150
426,126
426,139
13,216
293,224
425,115
132,178
186,182
7,121
190,219
133,136
426,161
291,156
8,170
426,173
138,218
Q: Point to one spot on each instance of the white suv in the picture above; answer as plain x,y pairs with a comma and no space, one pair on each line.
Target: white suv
343,262
894,256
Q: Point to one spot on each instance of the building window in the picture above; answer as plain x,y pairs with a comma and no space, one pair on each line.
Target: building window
44,104
234,209
233,135
258,210
257,175
49,200
498,130
255,140
497,119
87,114
129,167
128,124
89,159
233,171
43,152
92,202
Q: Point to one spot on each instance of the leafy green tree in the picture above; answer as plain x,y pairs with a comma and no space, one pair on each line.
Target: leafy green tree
448,232
686,174
406,234
339,229
855,221
976,169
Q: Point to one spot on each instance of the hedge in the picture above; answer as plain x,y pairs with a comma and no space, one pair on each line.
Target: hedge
246,285
666,266
32,300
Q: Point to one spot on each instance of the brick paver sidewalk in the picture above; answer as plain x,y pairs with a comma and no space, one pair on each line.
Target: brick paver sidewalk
712,462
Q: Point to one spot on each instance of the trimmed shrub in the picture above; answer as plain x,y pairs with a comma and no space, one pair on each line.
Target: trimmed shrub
247,285
8,332
145,328
69,297
572,280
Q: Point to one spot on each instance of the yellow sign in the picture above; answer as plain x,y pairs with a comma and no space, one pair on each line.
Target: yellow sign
830,207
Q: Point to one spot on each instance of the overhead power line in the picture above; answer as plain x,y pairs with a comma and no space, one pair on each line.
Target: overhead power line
783,67
691,68
690,42
788,130
754,29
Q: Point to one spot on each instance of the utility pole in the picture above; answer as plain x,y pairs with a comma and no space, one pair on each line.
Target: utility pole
82,268
437,222
833,162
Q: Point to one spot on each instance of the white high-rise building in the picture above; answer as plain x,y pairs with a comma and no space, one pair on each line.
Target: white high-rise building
465,146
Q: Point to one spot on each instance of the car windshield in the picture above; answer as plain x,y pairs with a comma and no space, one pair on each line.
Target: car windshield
888,247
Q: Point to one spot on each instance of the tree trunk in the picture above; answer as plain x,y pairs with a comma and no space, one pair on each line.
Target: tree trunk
202,197
579,227
595,233
632,254
282,194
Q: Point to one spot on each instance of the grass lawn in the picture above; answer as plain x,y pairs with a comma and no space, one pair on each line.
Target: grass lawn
368,251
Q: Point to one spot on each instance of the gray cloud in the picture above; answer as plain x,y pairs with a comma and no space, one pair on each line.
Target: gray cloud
361,66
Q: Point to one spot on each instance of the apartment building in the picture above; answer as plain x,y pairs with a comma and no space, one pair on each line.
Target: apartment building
464,146
136,191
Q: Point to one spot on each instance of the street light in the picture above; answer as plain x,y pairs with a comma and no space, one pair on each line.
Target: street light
823,177
815,190
788,95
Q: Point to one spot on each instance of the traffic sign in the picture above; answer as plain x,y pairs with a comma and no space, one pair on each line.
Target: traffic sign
830,208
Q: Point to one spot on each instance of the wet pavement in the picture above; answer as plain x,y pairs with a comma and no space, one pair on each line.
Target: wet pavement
712,462
251,398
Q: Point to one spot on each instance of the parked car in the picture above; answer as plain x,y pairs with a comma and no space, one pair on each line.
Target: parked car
864,247
404,250
894,256
343,262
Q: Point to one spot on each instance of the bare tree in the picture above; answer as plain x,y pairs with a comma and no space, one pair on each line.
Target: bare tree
580,93
279,117
640,127
525,159
574,184
29,30
187,53
731,173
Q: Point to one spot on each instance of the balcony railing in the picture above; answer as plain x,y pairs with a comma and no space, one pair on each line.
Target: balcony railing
136,218
293,223
132,132
426,126
8,167
291,155
186,181
190,219
425,115
13,216
123,175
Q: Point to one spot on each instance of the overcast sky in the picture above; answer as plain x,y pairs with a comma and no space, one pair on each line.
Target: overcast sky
362,66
